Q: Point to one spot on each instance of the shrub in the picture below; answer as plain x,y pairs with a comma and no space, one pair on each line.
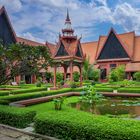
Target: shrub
59,77
17,117
4,102
38,94
38,84
27,90
22,83
73,85
137,76
72,124
49,76
76,76
94,75
3,93
113,76
117,74
129,90
62,82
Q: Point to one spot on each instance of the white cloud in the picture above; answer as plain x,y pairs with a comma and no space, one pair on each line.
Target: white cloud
12,5
128,17
42,20
28,35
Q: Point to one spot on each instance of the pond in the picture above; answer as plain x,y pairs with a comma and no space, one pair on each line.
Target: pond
112,107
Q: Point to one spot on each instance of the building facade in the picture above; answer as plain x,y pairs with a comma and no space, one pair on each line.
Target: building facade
108,52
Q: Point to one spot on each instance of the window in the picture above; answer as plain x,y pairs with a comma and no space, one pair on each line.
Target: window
112,66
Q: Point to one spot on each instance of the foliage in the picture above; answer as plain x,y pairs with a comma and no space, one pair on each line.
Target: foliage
117,74
113,76
14,61
137,76
58,103
87,69
76,76
22,83
94,75
73,85
91,96
37,94
16,117
59,77
89,73
38,84
125,83
71,124
48,76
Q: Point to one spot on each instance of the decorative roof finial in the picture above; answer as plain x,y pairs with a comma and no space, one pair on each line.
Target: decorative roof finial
67,17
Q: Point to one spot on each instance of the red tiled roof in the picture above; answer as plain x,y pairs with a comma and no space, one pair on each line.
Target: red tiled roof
132,67
90,49
71,47
126,39
136,56
52,48
29,42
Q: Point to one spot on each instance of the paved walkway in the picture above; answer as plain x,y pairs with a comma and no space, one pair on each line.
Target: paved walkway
10,133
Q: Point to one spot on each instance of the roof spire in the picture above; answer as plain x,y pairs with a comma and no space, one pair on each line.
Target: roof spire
67,17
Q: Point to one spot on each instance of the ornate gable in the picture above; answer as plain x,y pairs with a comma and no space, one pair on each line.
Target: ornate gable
61,51
112,49
7,34
79,52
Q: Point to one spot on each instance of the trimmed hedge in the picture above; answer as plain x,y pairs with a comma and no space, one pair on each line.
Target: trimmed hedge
27,90
129,90
17,117
4,93
19,91
104,89
71,124
19,97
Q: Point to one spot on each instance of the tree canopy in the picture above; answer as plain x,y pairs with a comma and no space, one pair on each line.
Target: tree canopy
18,59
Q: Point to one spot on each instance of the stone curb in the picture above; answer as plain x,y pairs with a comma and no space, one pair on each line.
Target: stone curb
35,135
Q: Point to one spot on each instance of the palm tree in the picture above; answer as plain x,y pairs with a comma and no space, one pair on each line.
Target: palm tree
87,69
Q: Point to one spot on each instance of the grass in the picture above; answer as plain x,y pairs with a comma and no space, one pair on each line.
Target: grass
70,123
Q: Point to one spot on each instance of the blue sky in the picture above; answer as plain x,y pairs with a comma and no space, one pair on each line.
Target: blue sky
42,20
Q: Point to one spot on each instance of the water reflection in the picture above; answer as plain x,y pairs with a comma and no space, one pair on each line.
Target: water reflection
111,106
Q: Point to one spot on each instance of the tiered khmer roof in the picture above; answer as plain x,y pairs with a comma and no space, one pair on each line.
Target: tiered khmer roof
69,45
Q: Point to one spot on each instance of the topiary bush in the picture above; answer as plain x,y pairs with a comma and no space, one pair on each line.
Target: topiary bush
17,117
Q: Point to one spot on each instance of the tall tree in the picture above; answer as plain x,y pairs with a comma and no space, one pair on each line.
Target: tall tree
18,59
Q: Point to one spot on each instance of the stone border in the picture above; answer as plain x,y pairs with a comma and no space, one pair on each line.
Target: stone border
34,135
29,102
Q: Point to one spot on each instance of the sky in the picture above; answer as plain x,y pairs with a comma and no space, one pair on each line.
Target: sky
42,20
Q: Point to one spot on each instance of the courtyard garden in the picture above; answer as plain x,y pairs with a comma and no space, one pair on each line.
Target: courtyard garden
89,115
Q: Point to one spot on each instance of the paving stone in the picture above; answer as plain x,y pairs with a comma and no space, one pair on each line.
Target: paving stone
11,133
1,135
25,137
7,138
